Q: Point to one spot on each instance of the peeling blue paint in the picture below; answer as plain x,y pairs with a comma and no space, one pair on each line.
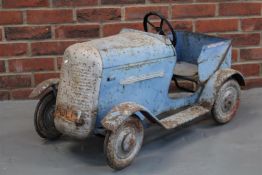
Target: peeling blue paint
127,62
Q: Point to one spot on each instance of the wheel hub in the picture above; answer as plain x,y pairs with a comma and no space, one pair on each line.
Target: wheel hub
228,100
129,142
49,119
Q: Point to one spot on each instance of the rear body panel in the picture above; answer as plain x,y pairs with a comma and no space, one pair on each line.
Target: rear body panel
213,57
209,53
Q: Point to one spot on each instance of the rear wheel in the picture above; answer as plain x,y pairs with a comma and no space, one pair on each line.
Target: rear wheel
227,102
44,118
122,145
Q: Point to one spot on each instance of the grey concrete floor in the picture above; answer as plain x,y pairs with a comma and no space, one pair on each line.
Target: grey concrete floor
202,148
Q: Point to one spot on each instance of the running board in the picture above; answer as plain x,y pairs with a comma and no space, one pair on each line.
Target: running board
183,117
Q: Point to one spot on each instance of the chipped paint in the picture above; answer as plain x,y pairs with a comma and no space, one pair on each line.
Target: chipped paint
122,145
215,45
114,83
213,85
93,91
133,79
43,87
120,113
111,94
69,114
77,98
183,117
131,47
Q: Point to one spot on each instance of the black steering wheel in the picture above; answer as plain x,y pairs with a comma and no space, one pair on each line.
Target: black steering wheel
159,29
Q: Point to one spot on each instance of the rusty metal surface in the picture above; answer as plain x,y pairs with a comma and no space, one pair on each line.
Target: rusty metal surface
42,87
183,117
224,74
123,145
69,114
213,85
212,58
119,114
81,94
99,75
132,47
140,83
227,102
77,98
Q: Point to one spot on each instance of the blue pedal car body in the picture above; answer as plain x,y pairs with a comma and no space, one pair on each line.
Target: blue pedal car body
119,84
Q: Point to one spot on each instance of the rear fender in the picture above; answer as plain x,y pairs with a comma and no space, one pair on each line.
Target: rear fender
122,112
211,88
44,88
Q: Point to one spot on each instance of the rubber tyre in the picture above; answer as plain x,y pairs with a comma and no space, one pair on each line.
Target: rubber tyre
44,118
224,109
120,159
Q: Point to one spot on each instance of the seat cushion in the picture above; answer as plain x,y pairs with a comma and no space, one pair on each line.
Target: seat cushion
185,69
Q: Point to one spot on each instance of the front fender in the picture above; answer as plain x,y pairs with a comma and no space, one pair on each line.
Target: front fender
212,86
121,112
43,88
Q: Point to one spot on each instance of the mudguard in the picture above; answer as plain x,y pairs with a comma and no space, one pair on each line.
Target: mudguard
44,87
121,112
209,93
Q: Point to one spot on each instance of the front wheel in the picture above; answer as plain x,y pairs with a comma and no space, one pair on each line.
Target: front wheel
122,145
44,118
227,102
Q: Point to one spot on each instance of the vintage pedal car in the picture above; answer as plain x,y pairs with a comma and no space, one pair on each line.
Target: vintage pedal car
119,84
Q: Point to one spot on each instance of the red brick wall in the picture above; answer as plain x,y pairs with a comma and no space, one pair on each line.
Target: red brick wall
35,33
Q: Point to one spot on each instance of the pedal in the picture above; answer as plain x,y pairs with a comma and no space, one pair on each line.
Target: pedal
183,117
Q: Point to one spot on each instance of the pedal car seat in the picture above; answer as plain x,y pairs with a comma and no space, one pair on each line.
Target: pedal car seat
185,69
